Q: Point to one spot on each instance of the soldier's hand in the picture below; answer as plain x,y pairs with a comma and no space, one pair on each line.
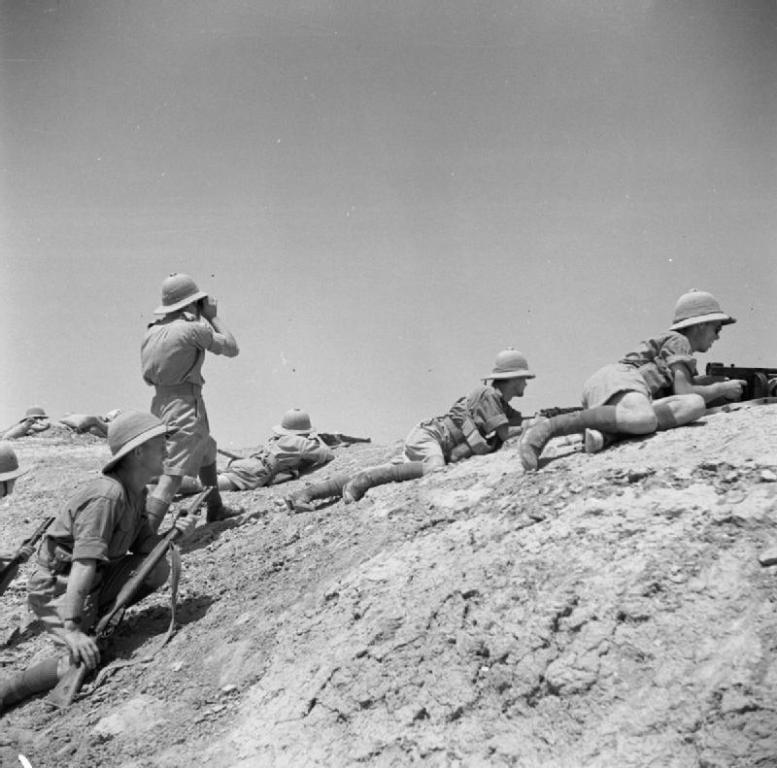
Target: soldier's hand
732,389
83,648
209,307
185,524
27,551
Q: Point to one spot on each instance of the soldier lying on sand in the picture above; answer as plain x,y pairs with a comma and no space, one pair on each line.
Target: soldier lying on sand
476,424
294,448
95,425
654,388
34,421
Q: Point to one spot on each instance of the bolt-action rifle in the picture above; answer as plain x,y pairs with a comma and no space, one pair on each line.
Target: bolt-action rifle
549,413
70,684
8,574
761,382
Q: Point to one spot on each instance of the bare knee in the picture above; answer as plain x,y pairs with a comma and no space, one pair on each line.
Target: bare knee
635,415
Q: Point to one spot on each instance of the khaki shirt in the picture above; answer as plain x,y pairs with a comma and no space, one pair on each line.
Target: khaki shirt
656,356
103,522
173,350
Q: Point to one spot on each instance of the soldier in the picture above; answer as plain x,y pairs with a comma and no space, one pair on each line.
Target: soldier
654,388
83,559
172,355
9,472
476,424
294,448
34,421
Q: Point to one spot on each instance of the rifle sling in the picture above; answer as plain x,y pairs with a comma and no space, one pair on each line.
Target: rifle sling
107,671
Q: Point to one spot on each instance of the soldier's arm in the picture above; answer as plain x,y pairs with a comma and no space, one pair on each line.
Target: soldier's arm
223,341
684,385
83,648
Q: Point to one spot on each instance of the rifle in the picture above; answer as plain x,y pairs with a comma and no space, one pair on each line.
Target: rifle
761,382
70,684
549,413
333,439
8,574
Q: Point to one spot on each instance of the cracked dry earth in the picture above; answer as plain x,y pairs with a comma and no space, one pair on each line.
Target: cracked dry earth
608,610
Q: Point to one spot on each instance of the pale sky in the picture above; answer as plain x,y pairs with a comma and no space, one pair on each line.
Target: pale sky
381,195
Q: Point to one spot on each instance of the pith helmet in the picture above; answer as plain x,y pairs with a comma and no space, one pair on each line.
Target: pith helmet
35,412
294,422
510,364
178,290
9,464
697,307
129,430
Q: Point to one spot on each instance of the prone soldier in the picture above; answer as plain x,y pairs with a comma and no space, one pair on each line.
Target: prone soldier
478,423
656,387
294,448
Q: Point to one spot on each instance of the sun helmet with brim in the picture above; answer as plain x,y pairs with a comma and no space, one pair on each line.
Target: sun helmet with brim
510,364
129,430
9,464
178,291
696,307
294,422
35,412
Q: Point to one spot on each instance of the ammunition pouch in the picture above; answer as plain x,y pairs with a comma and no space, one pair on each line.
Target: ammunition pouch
468,433
55,557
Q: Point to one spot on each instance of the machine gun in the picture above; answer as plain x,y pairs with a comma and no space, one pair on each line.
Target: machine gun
8,574
63,694
761,382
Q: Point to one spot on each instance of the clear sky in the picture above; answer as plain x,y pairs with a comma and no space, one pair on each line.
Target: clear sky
381,195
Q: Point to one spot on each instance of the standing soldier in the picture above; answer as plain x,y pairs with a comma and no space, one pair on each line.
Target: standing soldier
172,354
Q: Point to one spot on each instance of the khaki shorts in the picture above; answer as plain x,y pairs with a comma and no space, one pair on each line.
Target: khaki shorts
613,380
191,446
46,591
248,474
424,443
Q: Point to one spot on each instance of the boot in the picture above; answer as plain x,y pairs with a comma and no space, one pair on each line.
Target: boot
216,509
35,679
385,473
536,437
595,441
300,501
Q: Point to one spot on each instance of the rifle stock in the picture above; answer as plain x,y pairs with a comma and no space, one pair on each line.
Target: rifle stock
8,574
69,685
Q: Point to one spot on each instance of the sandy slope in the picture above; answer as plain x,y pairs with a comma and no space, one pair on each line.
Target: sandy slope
605,611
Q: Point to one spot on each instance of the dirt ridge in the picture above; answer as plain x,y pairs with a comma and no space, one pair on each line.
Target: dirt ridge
607,610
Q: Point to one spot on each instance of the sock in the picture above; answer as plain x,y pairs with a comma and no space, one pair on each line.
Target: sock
665,416
602,418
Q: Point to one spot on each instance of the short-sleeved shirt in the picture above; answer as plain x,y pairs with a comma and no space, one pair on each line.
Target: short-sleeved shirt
102,521
297,451
654,360
173,350
486,408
